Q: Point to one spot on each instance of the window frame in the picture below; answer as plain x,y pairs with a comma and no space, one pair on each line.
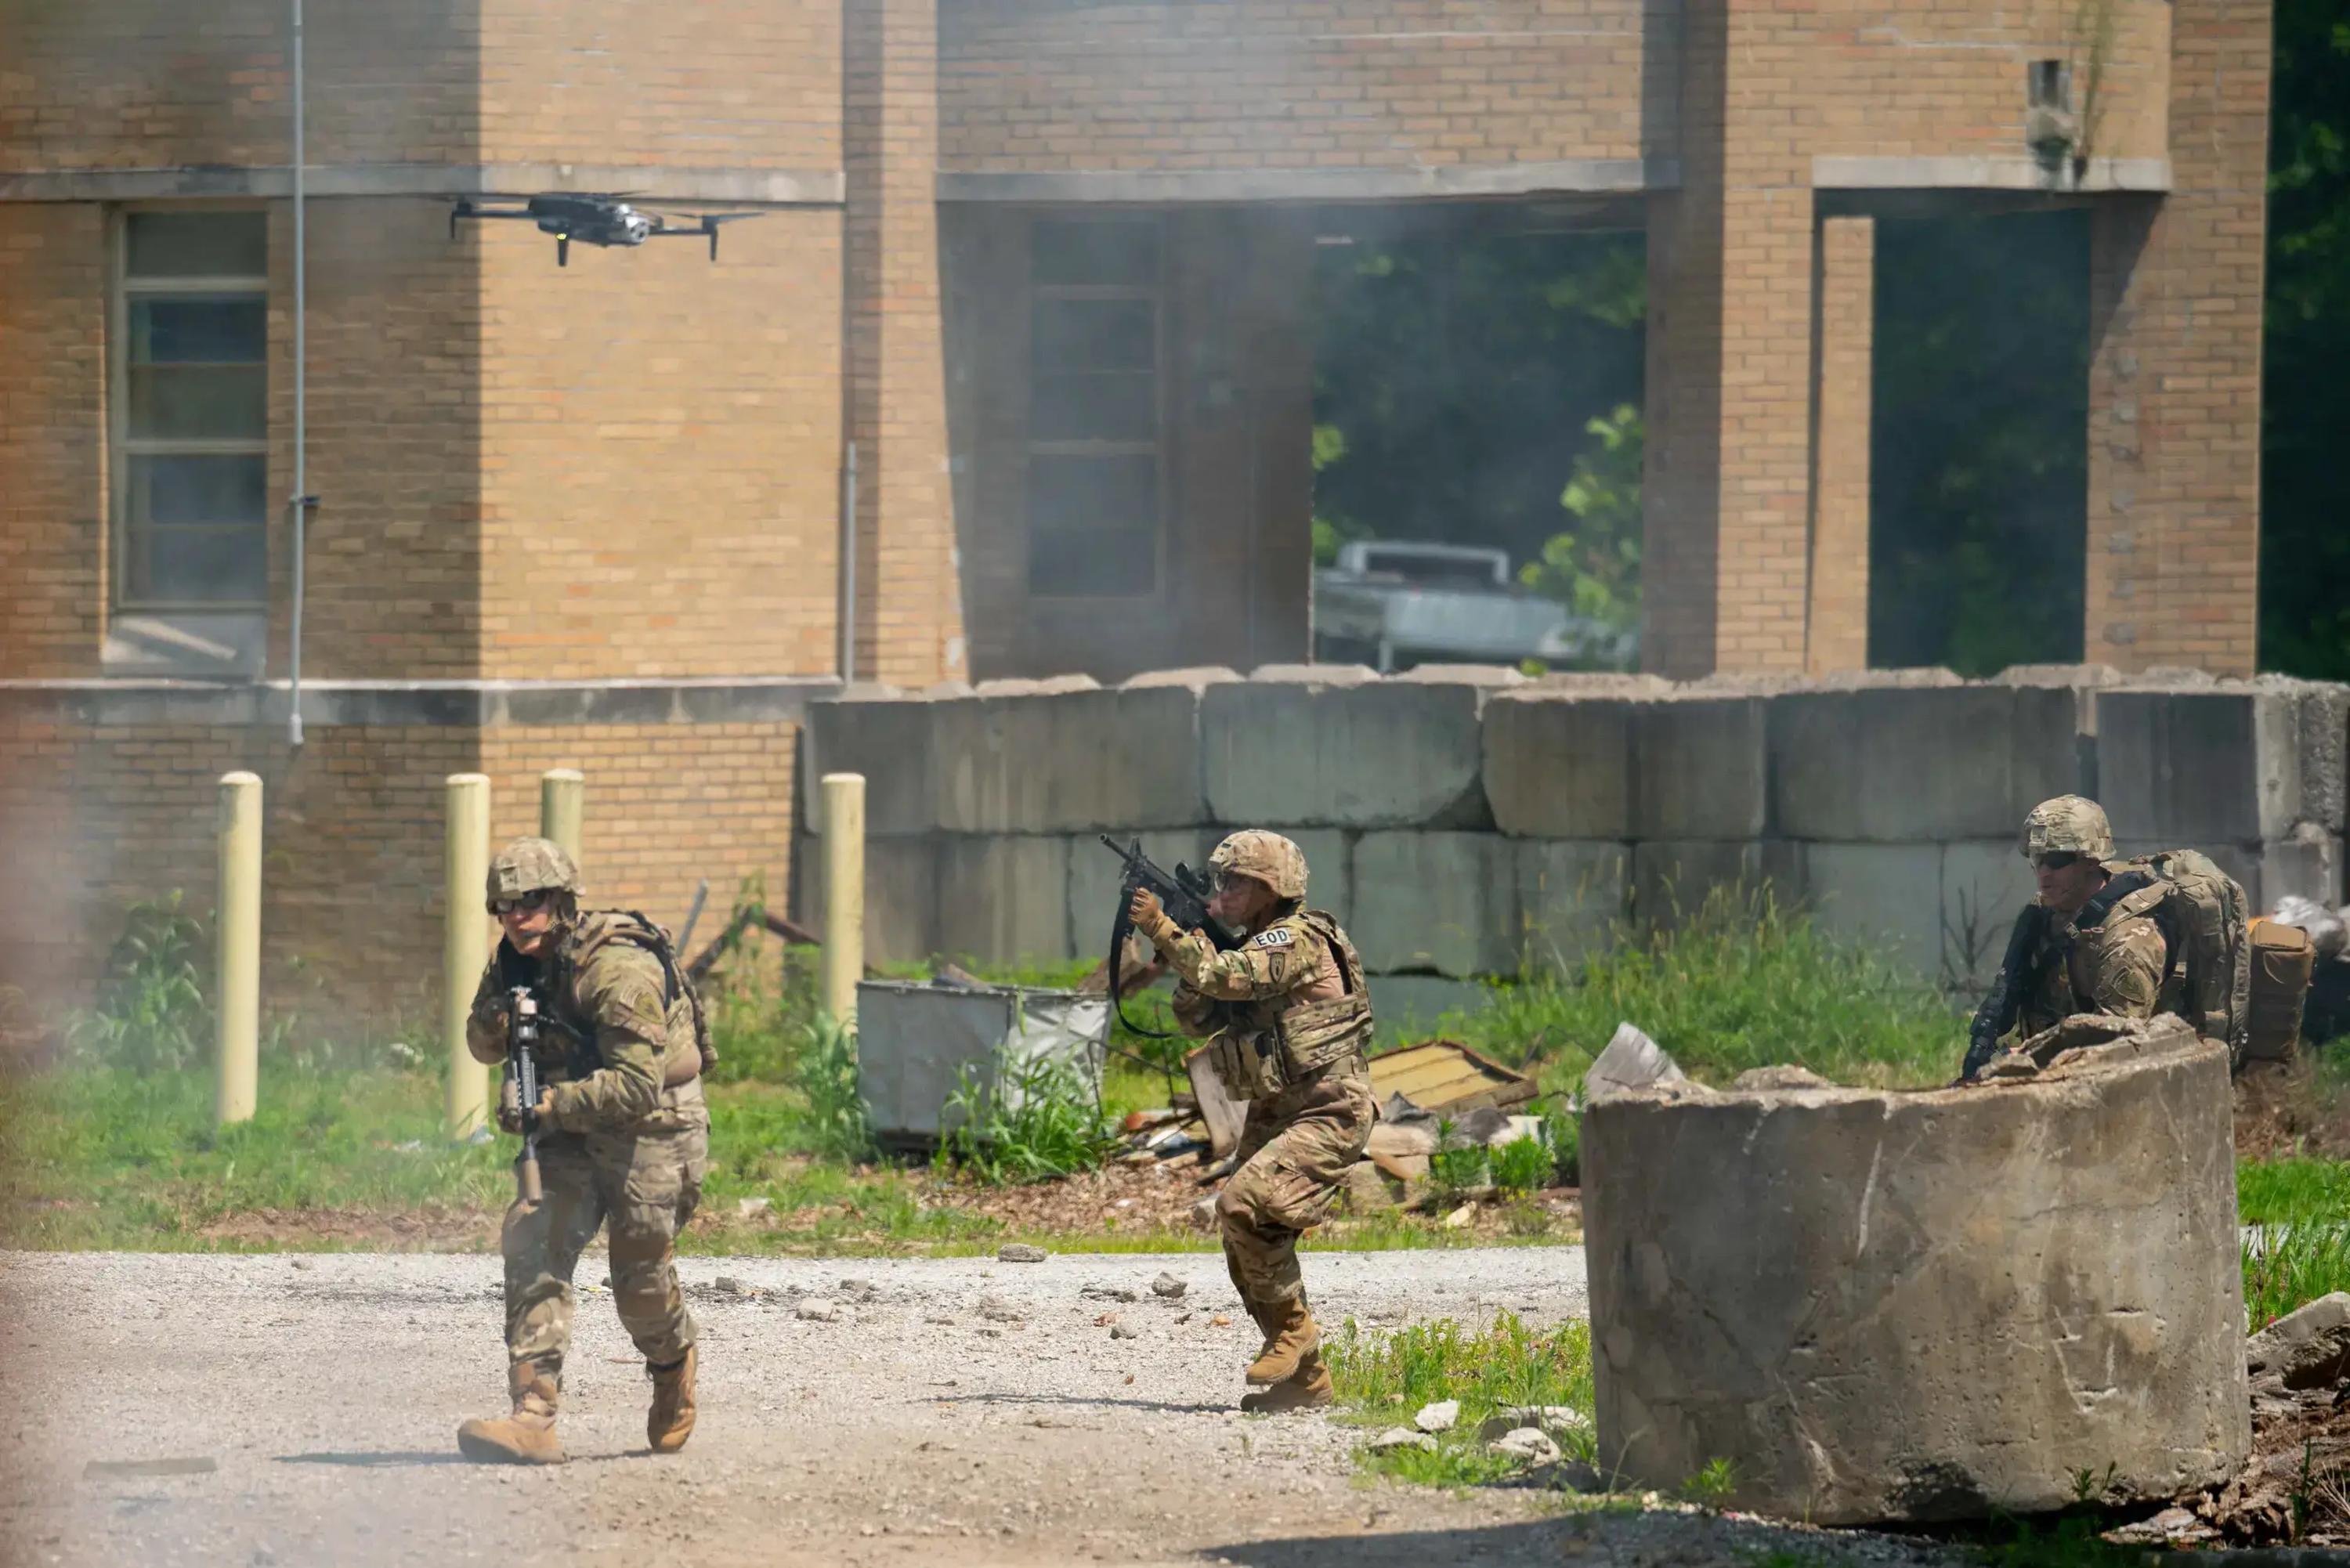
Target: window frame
121,446
1156,449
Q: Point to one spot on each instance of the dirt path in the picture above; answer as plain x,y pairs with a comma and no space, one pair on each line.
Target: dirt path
302,1411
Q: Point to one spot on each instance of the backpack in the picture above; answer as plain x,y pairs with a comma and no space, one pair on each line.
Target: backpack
2284,964
633,927
2205,927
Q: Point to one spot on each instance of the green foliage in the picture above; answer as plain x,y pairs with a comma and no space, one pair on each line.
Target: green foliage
1455,1171
1455,363
1740,982
1711,1487
152,1014
1523,1164
2277,1191
1503,1362
1593,568
1034,1121
2074,1543
2305,349
1385,1377
835,1122
2293,1266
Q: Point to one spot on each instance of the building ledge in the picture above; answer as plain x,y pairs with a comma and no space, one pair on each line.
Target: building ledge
1604,176
2019,173
776,187
400,704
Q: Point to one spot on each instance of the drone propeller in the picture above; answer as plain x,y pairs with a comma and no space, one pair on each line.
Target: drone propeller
703,223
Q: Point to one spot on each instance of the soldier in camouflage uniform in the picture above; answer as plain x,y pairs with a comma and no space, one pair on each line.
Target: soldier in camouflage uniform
1288,1020
2119,967
624,1139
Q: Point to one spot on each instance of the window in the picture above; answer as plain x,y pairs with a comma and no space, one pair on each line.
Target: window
1094,474
190,410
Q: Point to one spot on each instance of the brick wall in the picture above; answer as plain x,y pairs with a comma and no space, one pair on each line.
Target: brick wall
667,805
52,438
150,84
1837,630
2174,378
908,601
659,438
1050,85
717,84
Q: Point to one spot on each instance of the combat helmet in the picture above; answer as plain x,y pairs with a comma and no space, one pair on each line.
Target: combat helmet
527,866
2069,823
1269,857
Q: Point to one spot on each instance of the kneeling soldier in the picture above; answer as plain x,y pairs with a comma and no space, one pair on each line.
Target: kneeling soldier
624,1138
1288,1021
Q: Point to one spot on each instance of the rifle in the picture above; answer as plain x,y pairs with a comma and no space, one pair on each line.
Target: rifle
1183,893
522,1082
2000,1008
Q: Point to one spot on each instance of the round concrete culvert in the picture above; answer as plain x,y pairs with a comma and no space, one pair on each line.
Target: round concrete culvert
1924,1305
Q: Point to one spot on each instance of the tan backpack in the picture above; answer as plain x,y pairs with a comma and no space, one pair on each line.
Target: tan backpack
2283,962
2205,924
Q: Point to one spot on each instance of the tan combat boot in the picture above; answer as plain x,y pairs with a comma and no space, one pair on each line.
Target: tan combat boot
526,1436
1310,1389
671,1420
1291,1337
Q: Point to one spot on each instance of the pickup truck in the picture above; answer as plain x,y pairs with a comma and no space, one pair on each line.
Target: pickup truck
1392,603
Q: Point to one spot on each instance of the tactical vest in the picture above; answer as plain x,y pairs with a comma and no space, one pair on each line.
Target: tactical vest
2202,914
678,1066
1314,1035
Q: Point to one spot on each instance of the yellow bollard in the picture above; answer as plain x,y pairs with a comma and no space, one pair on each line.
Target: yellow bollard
844,893
465,945
238,1041
562,808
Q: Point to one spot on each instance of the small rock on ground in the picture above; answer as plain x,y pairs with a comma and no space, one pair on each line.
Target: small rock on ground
1531,1444
1124,1331
1168,1286
813,1311
995,1309
1437,1416
1402,1438
1020,1252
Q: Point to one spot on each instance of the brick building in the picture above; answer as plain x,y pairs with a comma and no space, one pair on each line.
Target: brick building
1044,265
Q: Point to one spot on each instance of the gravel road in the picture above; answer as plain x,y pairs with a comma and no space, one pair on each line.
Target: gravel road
273,1409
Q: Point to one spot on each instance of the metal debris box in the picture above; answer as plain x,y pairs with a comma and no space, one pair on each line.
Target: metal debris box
914,1038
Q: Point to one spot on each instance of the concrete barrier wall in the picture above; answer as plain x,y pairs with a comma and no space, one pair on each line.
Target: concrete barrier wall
1462,822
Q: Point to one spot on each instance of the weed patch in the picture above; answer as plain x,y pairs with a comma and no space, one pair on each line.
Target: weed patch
2292,1265
1740,982
1038,1119
1386,1377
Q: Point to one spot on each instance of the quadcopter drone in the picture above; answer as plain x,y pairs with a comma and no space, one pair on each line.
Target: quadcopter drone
594,220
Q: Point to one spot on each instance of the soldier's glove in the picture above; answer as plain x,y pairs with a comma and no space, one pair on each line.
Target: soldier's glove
1143,909
542,1116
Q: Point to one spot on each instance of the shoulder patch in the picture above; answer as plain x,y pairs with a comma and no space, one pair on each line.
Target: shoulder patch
1278,936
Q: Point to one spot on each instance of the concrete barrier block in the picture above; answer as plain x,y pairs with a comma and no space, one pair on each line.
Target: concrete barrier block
1329,869
886,736
1699,768
1911,764
1412,1007
2323,754
1984,885
1672,877
1442,903
1887,898
1571,900
2219,764
1094,875
1558,763
2307,862
1343,753
1070,760
1004,901
902,896
1882,1306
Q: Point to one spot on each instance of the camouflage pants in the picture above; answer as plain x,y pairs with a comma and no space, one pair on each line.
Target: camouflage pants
1295,1149
645,1186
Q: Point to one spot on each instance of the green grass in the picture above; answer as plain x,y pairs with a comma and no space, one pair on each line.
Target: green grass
1382,1379
2282,1191
2295,1264
1740,982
